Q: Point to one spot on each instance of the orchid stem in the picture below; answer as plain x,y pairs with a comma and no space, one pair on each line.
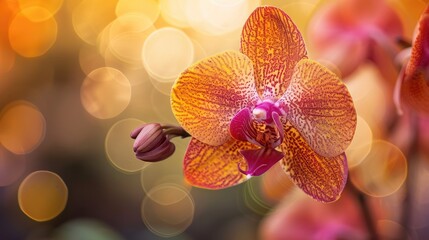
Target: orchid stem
409,181
365,209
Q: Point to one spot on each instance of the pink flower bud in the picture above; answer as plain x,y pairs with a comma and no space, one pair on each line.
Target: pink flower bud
151,143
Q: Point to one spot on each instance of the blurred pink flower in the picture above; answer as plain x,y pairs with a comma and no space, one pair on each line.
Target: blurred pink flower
346,33
302,218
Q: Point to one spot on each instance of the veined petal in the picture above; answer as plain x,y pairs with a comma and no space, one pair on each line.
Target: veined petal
320,177
209,93
274,44
215,167
415,85
319,105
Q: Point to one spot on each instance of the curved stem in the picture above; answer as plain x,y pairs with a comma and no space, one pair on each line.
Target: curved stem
411,176
366,212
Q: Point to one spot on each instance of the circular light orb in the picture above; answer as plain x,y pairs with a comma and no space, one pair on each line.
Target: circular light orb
174,12
127,36
22,127
105,92
148,8
32,38
361,143
12,167
90,59
51,6
119,146
217,17
168,210
165,172
42,195
166,53
90,17
382,172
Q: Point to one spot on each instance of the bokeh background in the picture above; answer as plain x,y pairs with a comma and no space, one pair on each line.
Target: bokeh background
76,76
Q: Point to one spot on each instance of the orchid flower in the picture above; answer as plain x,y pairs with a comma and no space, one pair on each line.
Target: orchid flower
248,110
413,83
346,33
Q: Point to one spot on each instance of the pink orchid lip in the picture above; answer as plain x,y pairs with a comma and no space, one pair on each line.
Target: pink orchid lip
259,160
242,128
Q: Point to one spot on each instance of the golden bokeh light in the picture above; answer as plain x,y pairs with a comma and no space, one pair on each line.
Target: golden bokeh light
7,58
361,143
42,195
22,127
148,8
37,10
409,12
164,85
32,38
90,17
11,167
218,17
366,86
127,34
168,171
174,12
37,14
119,146
276,184
300,12
382,172
90,59
168,210
166,53
105,92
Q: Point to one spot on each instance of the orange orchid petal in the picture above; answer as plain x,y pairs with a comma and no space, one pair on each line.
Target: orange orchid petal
319,105
274,44
209,93
415,85
320,177
215,167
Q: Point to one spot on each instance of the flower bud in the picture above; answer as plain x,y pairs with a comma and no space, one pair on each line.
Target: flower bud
151,143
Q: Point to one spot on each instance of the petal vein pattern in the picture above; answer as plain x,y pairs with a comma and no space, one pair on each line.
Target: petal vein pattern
274,44
319,105
208,94
215,167
320,177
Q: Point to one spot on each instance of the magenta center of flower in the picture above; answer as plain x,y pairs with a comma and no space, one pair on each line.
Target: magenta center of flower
261,126
264,110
